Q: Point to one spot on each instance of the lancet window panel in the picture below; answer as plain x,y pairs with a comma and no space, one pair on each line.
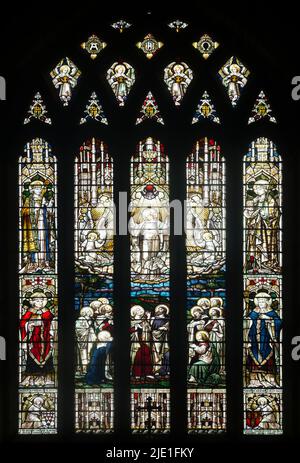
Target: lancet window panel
38,312
262,326
94,304
150,289
206,291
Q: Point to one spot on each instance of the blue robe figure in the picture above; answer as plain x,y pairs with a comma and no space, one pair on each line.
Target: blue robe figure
263,339
97,366
165,368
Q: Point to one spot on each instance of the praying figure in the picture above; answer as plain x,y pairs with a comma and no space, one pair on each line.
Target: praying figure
262,413
196,324
267,413
35,414
204,367
99,366
91,246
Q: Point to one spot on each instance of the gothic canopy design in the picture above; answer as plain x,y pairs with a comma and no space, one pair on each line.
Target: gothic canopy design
93,110
38,111
150,110
206,110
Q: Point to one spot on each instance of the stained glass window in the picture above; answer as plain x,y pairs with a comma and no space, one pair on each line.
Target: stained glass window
149,313
262,289
38,290
94,231
149,258
206,296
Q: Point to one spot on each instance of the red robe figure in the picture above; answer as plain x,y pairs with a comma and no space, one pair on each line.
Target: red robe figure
140,351
36,333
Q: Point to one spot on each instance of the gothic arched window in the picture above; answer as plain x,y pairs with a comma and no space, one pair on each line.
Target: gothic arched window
38,280
150,283
94,260
206,295
150,287
262,288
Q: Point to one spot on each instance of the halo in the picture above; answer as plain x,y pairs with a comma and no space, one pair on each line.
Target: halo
134,309
203,299
217,299
196,308
164,306
218,309
202,336
262,294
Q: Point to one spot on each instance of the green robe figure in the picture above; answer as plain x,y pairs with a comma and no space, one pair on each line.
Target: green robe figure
205,364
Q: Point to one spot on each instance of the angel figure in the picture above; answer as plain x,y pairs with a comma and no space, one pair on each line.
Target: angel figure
64,77
121,77
178,77
234,77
